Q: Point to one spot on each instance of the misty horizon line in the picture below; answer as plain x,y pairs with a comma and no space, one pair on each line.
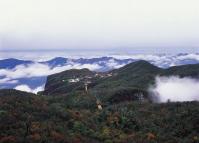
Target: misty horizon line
110,50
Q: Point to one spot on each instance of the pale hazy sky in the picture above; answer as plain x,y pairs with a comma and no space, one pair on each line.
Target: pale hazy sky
99,24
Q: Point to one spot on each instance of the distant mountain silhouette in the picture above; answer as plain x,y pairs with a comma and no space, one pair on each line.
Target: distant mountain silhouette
12,63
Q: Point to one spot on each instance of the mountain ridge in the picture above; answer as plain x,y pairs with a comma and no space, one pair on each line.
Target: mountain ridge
136,76
31,78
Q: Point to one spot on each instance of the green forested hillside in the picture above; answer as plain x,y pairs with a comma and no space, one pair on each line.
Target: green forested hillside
57,83
183,71
8,92
136,76
75,119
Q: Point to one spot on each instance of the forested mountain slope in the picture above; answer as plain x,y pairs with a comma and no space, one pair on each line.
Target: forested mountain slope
74,118
132,78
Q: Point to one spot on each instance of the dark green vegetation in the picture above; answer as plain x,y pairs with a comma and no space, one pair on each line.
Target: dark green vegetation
70,115
7,92
75,119
57,83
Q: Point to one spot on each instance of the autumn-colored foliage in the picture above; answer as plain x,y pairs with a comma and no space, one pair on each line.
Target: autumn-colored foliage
35,137
58,137
39,119
8,139
151,136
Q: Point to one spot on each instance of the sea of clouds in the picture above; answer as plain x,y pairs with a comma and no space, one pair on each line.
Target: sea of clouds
175,89
11,78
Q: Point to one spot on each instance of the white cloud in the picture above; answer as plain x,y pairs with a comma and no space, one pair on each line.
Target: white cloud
26,88
188,56
156,59
161,60
23,88
39,88
112,64
175,89
38,70
8,81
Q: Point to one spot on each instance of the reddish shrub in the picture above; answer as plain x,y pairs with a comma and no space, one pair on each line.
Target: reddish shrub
8,139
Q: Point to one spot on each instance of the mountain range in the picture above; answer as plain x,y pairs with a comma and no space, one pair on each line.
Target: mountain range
31,75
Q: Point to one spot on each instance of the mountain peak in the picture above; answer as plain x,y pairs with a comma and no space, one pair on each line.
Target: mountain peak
139,66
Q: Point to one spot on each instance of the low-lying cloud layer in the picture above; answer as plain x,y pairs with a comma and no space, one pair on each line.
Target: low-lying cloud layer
163,60
11,78
33,75
28,89
38,69
175,89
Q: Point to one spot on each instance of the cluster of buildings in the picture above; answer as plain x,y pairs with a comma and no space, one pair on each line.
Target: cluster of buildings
88,78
